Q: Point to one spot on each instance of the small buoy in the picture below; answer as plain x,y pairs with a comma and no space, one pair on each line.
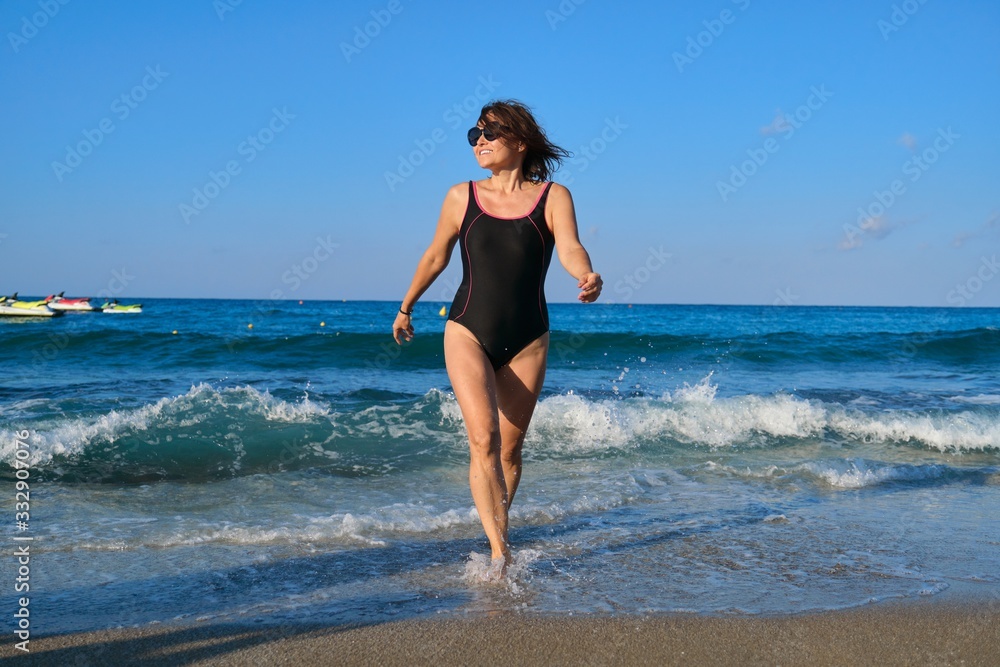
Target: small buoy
174,332
322,324
250,326
442,311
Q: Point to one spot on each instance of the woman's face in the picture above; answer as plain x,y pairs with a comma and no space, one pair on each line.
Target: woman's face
496,153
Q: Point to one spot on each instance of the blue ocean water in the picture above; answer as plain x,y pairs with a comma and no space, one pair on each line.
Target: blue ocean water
186,466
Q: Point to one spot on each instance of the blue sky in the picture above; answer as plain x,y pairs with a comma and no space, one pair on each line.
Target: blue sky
735,152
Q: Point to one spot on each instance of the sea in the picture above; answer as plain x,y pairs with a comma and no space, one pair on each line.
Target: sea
285,462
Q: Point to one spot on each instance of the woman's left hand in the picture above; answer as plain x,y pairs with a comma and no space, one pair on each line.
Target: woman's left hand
590,284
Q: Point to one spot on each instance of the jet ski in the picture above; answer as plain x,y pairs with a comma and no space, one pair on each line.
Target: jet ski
12,306
59,302
114,307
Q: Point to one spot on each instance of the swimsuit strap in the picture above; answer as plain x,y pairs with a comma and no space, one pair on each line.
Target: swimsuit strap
474,202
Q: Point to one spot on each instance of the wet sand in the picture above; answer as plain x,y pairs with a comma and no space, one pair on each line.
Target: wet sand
921,632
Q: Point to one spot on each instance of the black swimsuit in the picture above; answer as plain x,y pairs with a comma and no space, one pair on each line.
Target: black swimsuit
504,260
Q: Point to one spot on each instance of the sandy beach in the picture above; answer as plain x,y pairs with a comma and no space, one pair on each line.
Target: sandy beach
921,632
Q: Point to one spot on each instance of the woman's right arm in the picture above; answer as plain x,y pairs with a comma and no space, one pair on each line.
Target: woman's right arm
435,258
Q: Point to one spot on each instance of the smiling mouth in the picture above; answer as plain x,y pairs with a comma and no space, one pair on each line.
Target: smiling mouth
485,151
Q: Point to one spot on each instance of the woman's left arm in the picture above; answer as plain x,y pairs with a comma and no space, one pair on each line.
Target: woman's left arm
572,254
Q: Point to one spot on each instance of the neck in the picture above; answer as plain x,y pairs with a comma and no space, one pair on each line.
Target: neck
507,180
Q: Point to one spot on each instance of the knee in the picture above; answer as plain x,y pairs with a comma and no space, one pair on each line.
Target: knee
511,455
484,442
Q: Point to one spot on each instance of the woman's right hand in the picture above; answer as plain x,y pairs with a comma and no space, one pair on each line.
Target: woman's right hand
402,328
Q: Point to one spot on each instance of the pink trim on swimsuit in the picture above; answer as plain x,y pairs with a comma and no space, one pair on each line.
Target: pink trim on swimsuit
475,192
468,298
541,283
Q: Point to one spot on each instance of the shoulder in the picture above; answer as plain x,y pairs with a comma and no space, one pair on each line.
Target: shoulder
457,196
456,202
559,197
458,191
559,192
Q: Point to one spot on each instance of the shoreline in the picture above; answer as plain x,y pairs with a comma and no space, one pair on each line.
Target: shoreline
956,630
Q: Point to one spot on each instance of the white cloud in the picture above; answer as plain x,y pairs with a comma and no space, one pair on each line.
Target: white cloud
879,227
779,124
908,140
962,237
875,229
850,242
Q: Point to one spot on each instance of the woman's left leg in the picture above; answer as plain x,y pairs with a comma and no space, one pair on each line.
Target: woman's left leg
518,386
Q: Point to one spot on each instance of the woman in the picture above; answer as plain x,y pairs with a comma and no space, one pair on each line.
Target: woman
496,338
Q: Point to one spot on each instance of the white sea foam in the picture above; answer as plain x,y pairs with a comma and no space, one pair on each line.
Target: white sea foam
964,431
979,399
695,415
368,523
840,473
188,409
401,422
858,473
17,408
377,525
480,569
571,423
566,424
350,528
692,414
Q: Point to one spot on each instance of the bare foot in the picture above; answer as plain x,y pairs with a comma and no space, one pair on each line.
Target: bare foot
498,568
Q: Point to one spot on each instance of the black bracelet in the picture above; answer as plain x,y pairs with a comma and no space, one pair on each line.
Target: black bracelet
404,312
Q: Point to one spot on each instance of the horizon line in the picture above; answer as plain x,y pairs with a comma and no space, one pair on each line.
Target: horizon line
599,303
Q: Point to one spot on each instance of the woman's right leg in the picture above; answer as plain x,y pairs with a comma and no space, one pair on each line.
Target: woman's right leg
474,383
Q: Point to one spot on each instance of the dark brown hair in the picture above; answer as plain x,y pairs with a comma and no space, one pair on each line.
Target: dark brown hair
542,157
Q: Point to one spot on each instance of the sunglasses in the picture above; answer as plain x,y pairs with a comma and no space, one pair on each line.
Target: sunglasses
490,132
